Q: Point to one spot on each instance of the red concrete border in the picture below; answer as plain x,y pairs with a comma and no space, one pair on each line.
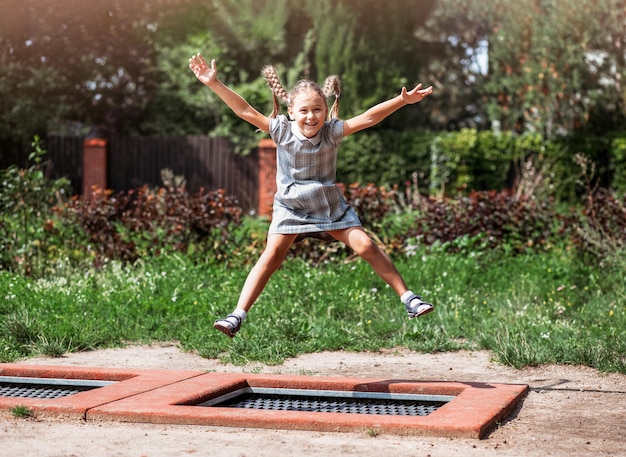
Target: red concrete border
476,408
163,396
130,383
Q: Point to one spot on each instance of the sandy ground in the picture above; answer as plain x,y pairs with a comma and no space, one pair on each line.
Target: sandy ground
569,411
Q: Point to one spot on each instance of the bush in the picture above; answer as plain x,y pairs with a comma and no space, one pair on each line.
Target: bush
510,221
38,228
600,229
30,231
384,157
130,225
618,147
501,219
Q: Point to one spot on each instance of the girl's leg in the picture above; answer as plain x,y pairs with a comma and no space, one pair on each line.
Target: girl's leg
271,258
357,240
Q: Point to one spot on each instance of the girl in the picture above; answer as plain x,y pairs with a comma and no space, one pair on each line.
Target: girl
307,201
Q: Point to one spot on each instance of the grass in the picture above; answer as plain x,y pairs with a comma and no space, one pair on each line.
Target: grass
21,412
528,309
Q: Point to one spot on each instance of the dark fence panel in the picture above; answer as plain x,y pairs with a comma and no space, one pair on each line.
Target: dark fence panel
65,159
14,152
135,161
204,163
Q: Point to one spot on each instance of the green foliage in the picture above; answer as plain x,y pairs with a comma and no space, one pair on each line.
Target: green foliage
242,135
92,63
181,105
30,231
507,274
618,163
481,160
361,157
369,44
21,411
554,66
447,164
254,33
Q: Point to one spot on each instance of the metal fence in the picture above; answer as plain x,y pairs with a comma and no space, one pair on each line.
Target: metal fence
204,162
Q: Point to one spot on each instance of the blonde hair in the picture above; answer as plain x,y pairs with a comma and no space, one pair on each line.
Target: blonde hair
331,87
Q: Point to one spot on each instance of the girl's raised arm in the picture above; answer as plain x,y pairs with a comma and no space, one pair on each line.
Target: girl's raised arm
207,75
377,113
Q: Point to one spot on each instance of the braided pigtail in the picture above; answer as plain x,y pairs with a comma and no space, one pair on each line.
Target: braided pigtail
332,86
278,91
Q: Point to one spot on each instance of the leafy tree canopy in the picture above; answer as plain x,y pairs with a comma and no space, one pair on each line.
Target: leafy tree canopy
549,66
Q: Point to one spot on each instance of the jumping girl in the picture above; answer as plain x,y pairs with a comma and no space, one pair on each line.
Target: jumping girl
307,201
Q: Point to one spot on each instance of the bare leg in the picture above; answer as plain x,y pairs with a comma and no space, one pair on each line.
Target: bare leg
362,244
272,258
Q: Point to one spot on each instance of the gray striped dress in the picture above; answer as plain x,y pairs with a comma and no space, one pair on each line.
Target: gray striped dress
308,201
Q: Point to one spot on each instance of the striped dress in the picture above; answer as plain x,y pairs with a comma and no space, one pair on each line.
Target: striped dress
308,201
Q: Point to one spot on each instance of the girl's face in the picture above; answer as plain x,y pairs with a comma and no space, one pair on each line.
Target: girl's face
309,111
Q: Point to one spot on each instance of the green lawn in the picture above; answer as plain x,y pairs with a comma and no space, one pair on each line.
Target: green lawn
527,309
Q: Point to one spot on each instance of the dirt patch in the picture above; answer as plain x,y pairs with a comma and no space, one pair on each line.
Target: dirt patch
568,411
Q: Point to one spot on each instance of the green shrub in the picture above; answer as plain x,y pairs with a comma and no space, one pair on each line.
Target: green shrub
143,222
618,165
31,233
599,230
471,160
501,219
385,157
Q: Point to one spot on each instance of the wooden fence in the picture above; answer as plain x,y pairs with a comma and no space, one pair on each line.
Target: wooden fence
134,161
65,159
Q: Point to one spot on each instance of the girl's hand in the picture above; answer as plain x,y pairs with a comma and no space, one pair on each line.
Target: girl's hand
201,69
416,95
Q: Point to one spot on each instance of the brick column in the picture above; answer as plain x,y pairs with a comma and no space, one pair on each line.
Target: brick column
94,166
267,176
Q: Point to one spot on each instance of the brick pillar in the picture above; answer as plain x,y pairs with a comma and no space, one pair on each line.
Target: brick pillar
267,176
94,166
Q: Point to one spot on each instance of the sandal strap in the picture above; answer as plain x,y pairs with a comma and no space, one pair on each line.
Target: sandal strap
411,298
229,326
418,309
231,319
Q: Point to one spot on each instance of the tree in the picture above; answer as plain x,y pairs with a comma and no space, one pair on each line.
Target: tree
554,66
453,45
373,47
554,63
88,61
371,52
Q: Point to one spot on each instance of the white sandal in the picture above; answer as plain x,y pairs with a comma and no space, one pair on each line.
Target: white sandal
229,326
415,307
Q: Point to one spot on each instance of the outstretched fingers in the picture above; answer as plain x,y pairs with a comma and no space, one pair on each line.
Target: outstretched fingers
201,69
198,62
417,94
